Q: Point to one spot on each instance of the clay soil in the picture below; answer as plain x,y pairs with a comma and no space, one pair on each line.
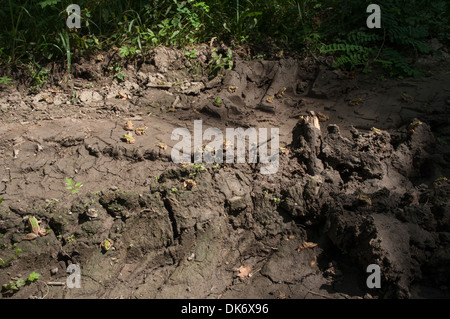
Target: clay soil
366,187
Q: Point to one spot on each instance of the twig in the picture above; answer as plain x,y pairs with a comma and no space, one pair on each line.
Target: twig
55,283
382,45
317,294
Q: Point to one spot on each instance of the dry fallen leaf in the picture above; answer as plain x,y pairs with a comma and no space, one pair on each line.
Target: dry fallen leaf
121,95
244,271
55,90
282,295
306,245
284,150
162,146
232,89
189,184
313,262
309,244
128,126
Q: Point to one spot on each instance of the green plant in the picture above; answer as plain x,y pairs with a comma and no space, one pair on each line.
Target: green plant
119,74
198,167
33,277
14,285
39,76
218,102
16,254
405,28
64,36
72,186
192,57
218,62
51,203
6,81
70,238
126,51
1,200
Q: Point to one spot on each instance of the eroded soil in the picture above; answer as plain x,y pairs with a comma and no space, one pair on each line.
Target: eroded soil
367,185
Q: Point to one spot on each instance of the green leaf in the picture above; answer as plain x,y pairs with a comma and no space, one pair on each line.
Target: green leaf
124,51
69,181
46,3
20,283
33,276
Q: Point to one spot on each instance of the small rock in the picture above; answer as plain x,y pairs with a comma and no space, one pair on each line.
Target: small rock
194,88
237,203
92,213
54,271
269,108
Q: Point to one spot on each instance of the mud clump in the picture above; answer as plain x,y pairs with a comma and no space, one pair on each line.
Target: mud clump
377,227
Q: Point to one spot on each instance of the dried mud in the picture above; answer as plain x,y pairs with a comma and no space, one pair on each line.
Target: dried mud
363,195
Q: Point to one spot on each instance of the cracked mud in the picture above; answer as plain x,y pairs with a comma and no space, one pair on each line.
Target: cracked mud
367,186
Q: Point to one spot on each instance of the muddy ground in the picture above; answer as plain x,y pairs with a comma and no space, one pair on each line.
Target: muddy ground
362,161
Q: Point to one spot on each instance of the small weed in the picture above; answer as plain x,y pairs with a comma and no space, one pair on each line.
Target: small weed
16,254
126,52
6,81
218,62
272,198
72,186
74,98
119,74
39,77
191,54
71,238
14,285
199,167
51,203
218,102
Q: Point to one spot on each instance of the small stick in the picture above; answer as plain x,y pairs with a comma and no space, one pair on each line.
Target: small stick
317,294
55,283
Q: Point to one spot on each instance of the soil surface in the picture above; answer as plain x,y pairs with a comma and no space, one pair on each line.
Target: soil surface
361,180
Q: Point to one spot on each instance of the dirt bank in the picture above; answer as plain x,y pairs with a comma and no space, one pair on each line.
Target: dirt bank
361,180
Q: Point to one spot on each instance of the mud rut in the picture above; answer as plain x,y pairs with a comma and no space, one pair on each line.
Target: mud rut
363,196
